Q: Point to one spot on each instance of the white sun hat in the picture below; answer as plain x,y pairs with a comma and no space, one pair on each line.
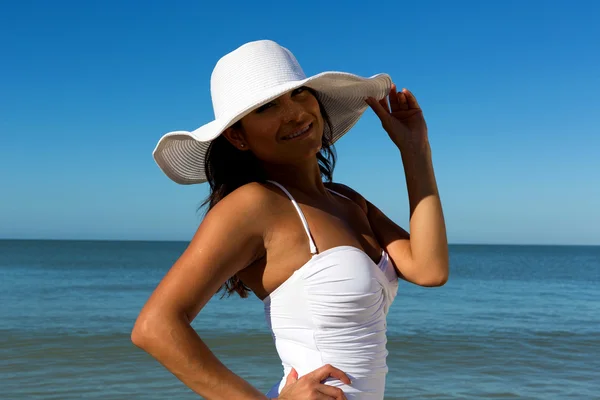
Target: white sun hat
249,77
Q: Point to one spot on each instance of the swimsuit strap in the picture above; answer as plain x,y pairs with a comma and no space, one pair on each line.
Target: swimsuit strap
313,247
339,194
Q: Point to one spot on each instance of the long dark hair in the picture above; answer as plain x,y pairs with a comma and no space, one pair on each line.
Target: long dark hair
228,168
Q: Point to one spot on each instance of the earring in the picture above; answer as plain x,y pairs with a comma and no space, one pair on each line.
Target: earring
242,145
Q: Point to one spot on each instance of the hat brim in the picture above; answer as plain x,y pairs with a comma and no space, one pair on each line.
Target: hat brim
181,154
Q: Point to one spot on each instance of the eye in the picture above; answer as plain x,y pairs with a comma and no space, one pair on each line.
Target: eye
264,107
300,90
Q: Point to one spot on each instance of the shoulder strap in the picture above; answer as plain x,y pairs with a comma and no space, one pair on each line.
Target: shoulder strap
313,247
339,194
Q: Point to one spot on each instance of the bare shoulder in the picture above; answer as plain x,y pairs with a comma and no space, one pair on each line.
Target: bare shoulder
244,214
230,238
247,202
350,193
233,231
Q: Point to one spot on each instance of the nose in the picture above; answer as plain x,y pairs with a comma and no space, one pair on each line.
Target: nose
292,111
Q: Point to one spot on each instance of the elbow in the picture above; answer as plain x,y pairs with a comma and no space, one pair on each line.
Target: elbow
139,333
437,280
433,281
154,328
144,332
436,276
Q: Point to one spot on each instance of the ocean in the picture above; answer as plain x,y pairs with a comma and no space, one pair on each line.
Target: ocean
513,322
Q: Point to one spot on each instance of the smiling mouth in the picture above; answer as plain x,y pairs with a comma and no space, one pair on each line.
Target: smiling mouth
302,132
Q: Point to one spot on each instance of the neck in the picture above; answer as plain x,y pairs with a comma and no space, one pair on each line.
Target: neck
305,178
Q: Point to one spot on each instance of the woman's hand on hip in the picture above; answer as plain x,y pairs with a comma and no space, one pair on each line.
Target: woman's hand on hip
402,118
309,387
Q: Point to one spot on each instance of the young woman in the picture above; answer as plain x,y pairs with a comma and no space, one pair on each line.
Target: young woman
323,259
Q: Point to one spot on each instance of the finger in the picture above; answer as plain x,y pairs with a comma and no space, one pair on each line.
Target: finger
328,370
322,396
381,112
402,101
384,103
394,104
292,377
410,98
332,392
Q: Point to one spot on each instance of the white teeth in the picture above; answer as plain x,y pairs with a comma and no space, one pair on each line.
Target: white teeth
293,135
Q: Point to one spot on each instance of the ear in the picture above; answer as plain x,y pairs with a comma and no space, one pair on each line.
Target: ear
235,136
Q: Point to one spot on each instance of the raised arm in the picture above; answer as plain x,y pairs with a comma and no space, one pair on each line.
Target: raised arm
229,239
422,256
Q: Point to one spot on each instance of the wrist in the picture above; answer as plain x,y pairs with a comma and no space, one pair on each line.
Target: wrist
419,172
414,148
416,158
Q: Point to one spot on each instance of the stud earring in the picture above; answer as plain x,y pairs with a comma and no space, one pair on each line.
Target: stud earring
242,145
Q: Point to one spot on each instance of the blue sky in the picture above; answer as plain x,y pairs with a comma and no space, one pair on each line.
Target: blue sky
510,90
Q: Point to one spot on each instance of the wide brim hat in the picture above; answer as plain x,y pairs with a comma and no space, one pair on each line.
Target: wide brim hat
251,76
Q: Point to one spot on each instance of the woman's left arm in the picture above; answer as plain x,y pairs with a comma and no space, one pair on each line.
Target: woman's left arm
420,257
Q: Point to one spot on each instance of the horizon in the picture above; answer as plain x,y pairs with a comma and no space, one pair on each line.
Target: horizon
187,241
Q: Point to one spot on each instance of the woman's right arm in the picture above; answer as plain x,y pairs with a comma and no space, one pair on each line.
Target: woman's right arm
229,239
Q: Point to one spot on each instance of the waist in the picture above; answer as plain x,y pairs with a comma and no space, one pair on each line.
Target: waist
363,352
365,366
362,387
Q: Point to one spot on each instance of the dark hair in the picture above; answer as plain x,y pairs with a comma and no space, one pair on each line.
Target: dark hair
228,168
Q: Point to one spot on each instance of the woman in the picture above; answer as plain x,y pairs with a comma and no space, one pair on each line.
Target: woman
323,259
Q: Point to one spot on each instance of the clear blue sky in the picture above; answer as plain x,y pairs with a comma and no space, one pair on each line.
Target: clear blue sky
510,90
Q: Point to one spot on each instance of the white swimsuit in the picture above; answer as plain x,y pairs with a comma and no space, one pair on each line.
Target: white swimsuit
333,310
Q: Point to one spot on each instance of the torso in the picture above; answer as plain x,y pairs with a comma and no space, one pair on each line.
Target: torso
334,221
327,287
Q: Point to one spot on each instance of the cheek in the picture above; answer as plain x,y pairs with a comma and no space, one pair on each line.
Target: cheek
316,110
260,130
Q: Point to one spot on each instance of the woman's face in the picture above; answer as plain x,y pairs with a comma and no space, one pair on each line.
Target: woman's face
286,130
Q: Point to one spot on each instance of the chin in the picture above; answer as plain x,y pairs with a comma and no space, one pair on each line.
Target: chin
316,144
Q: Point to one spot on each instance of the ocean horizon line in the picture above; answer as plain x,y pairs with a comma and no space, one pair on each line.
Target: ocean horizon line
499,244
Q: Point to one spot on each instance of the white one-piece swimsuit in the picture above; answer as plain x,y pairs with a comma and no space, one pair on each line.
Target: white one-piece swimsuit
333,310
